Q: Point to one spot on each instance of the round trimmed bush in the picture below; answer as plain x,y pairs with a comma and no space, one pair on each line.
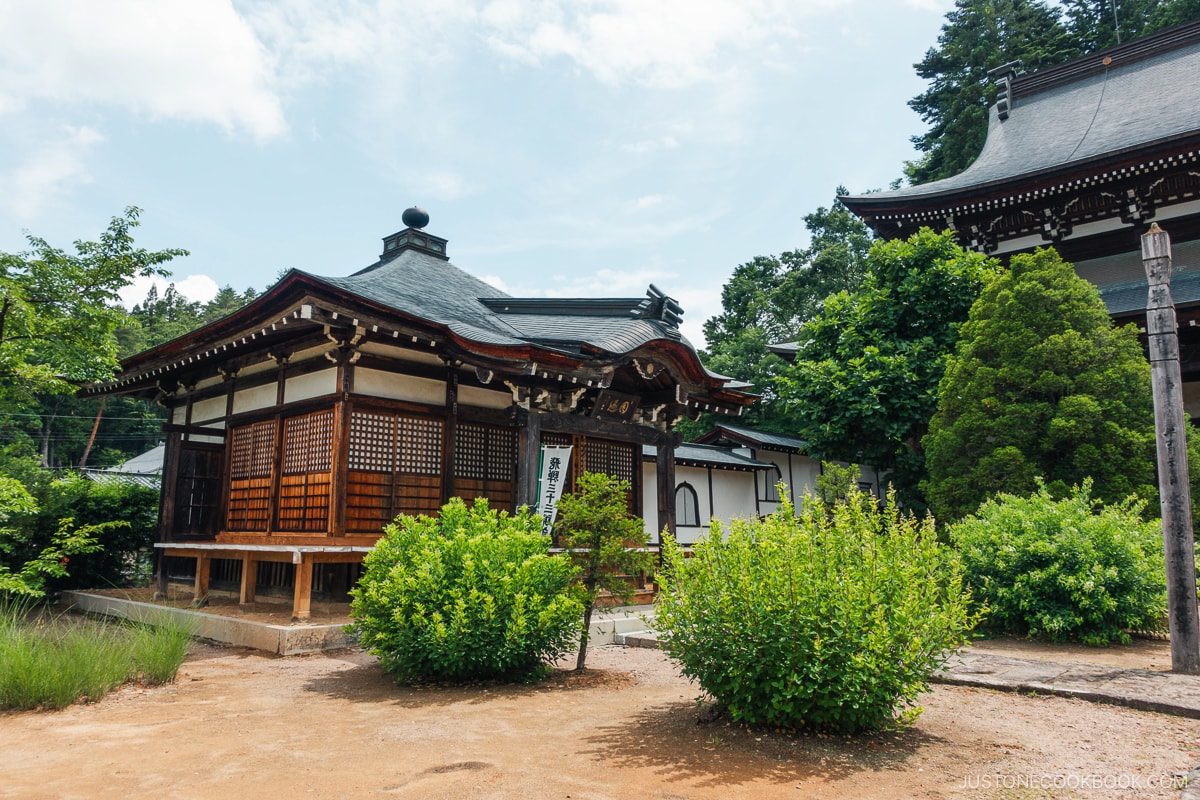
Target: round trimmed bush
1063,569
832,619
470,595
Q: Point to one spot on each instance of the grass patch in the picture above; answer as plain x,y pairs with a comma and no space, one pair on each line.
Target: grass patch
51,661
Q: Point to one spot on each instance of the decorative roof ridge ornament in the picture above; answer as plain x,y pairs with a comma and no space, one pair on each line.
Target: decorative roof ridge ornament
658,306
413,237
1003,75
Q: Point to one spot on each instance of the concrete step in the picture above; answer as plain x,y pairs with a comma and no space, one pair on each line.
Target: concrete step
638,639
608,623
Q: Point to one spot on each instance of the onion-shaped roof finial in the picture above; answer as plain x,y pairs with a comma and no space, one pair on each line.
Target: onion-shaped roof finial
415,217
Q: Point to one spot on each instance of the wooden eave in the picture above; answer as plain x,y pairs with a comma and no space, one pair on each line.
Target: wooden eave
1115,172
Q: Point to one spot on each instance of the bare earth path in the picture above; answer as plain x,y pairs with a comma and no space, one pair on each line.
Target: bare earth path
238,724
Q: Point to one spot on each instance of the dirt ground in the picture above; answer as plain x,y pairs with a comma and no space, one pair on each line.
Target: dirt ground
240,724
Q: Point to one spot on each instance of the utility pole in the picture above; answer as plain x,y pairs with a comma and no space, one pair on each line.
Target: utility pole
1173,489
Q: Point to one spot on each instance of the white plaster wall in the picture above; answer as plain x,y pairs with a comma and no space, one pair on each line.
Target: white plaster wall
423,356
697,478
179,414
314,384
733,495
254,398
483,398
204,411
378,383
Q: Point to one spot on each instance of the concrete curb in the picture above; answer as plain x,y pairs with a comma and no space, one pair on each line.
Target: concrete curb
284,640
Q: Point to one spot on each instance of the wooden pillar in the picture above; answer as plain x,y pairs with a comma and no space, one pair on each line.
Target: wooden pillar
1171,435
249,578
160,574
450,432
302,591
200,588
665,467
529,446
170,481
340,466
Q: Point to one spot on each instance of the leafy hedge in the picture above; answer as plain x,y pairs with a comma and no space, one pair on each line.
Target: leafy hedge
1060,569
832,619
471,594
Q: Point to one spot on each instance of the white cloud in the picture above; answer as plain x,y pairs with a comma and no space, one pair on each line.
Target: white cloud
663,44
648,145
197,288
647,201
46,171
164,59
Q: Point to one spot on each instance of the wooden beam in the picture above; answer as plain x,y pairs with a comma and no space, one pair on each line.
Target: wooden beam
200,587
302,590
249,579
666,489
529,444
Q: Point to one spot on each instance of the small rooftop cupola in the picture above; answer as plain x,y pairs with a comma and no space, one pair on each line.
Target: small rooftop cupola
413,238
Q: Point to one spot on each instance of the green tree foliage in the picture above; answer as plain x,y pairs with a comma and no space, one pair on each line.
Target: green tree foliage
594,525
470,594
1070,568
978,35
25,565
768,299
833,619
864,383
1041,386
59,311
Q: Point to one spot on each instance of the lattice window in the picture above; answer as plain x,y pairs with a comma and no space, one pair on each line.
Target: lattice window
252,450
484,452
308,443
612,458
372,441
420,446
471,452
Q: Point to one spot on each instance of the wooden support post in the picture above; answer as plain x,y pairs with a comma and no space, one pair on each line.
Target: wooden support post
529,447
249,578
666,487
200,589
160,575
1171,435
302,594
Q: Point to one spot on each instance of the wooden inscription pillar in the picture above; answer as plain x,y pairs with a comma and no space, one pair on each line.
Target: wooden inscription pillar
1170,434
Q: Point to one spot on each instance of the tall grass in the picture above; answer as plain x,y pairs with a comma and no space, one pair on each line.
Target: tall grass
49,661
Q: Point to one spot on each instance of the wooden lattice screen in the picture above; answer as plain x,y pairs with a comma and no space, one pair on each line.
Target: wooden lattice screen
485,463
306,477
251,463
197,490
619,459
395,467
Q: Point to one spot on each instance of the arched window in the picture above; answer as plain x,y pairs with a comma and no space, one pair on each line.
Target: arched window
687,506
772,479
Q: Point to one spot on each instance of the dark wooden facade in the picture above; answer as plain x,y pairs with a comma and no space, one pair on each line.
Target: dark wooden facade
303,423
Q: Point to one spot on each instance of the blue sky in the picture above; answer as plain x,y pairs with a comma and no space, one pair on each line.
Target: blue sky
564,147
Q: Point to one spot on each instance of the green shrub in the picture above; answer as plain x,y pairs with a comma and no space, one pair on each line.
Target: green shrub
833,619
52,662
606,542
1070,568
471,594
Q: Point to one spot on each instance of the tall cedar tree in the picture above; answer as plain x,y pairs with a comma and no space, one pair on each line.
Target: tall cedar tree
604,539
1041,385
864,383
768,299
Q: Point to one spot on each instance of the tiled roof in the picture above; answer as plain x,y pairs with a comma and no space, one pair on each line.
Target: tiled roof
705,455
756,438
427,287
1127,298
1094,110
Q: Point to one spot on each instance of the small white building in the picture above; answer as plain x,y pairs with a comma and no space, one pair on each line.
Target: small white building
733,471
